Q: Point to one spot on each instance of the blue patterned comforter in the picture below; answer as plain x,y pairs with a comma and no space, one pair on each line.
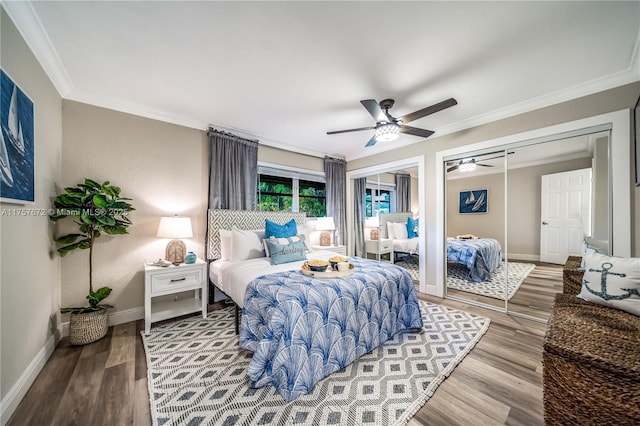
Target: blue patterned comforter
301,329
480,256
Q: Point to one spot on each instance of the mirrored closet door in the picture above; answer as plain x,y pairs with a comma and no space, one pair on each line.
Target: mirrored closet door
544,198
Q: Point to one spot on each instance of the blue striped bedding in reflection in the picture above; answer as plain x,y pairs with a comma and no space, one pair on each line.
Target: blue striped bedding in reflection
480,256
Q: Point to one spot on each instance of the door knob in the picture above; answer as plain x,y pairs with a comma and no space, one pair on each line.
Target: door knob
544,223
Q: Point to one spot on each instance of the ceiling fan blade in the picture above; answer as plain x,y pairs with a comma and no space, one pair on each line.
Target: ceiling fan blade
484,165
371,142
374,109
333,132
428,110
450,169
415,131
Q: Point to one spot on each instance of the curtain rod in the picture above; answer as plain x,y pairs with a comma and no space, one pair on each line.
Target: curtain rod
229,133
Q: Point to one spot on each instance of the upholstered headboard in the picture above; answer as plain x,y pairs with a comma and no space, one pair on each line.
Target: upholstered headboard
218,219
392,217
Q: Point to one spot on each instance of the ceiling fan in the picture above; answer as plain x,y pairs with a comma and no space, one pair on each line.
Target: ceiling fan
388,127
468,165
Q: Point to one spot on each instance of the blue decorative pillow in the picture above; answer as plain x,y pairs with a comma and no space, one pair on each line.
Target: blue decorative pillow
412,227
272,229
285,250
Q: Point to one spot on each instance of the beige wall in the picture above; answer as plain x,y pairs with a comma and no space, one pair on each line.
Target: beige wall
164,169
29,282
523,209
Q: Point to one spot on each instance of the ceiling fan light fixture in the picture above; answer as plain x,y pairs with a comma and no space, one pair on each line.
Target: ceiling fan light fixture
387,132
467,167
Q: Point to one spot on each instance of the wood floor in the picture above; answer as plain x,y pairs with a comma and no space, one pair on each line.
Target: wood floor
105,383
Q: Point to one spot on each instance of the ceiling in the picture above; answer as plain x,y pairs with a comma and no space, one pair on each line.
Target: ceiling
288,72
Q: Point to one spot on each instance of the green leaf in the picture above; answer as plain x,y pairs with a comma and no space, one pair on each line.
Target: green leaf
92,184
82,245
98,296
68,239
106,220
100,201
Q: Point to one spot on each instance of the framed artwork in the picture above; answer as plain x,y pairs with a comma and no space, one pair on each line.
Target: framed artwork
636,123
474,201
17,159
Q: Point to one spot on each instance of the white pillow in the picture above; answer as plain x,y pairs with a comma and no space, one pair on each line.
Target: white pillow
225,244
400,231
621,279
390,230
246,244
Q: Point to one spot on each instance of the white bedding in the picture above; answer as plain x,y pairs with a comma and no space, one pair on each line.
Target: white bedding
232,278
406,245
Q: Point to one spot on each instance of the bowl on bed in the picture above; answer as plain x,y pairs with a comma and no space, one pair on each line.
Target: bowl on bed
335,260
317,265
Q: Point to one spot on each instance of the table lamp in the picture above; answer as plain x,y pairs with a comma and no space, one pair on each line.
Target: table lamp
372,223
175,227
325,224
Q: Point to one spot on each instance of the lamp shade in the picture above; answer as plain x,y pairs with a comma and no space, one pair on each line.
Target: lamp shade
371,222
175,227
325,224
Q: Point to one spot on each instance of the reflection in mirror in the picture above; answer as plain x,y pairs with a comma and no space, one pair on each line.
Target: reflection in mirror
475,212
386,195
546,198
558,195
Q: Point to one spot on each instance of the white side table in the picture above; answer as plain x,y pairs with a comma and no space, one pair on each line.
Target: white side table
338,249
163,281
379,248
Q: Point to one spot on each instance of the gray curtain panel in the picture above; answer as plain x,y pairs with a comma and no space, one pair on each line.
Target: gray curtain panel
335,170
403,192
360,214
233,171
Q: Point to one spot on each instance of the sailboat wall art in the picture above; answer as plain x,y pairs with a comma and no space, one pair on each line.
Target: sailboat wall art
474,201
17,160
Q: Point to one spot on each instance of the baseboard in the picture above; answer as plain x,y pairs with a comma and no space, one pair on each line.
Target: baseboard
115,318
529,257
19,389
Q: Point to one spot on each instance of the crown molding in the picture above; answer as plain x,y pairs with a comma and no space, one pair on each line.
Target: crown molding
30,28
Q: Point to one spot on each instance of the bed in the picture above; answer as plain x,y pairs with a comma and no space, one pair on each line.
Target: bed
302,328
391,225
480,256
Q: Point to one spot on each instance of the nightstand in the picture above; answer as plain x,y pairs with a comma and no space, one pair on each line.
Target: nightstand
338,249
163,281
379,248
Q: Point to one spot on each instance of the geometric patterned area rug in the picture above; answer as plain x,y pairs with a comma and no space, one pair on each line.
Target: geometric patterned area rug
197,375
495,286
411,266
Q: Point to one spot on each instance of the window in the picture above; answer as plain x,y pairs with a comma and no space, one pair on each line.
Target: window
289,190
377,201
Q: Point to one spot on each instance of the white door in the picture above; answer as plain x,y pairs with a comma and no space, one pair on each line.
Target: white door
565,214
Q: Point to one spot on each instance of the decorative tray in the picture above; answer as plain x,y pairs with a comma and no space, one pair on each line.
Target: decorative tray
328,273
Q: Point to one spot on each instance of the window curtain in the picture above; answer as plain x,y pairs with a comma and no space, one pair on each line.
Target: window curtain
359,209
403,192
233,176
335,170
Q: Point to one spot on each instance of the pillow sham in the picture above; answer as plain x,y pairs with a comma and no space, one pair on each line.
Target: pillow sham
225,244
412,227
612,281
300,236
390,231
246,244
400,231
272,229
285,250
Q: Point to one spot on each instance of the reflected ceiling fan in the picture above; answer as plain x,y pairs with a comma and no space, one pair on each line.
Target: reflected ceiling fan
469,164
388,127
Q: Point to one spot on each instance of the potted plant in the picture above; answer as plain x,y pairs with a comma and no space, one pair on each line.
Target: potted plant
97,209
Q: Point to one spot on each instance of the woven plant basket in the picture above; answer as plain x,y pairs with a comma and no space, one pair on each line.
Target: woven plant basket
88,327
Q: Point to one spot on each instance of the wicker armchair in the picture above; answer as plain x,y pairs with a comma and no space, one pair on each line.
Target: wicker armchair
591,361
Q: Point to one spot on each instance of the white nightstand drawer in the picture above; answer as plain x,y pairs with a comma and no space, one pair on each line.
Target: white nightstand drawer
385,247
172,281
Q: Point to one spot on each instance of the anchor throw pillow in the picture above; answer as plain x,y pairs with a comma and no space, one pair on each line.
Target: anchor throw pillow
612,281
